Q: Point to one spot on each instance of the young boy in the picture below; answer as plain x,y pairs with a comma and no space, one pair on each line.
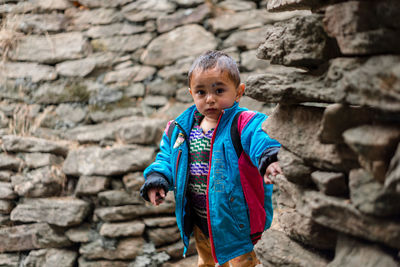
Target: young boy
213,156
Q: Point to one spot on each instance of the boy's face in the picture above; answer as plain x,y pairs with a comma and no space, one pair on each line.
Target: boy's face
213,91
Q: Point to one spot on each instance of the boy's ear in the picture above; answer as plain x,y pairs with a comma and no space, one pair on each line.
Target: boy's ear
240,91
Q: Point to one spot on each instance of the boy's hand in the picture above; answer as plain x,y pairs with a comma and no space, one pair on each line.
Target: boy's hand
156,195
272,169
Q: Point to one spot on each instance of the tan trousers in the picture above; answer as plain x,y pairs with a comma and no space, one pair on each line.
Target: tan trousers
206,259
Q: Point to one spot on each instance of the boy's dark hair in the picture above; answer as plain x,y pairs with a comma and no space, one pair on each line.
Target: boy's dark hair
212,59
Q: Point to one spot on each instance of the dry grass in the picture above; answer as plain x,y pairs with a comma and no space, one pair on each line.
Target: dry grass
8,35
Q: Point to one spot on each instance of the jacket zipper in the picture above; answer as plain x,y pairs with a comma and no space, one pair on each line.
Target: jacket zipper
208,181
176,168
187,171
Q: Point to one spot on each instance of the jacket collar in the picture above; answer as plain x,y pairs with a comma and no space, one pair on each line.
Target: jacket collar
185,120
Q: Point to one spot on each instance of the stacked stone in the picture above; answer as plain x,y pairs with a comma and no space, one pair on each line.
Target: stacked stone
337,119
86,89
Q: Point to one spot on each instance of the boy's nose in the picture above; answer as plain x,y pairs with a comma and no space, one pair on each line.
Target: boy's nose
210,98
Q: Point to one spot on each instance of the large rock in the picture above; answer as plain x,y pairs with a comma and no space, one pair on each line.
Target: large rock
37,23
249,39
101,263
134,130
104,3
76,68
122,43
370,197
330,183
36,159
354,81
163,236
147,9
119,198
300,41
107,161
101,31
276,249
14,143
9,162
353,252
127,75
185,16
50,49
342,216
51,257
196,41
6,191
34,71
364,27
133,228
82,19
31,236
129,212
303,122
9,259
58,211
285,5
294,168
125,249
42,182
91,185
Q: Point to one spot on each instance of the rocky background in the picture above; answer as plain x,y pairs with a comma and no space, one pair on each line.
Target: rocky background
86,89
338,120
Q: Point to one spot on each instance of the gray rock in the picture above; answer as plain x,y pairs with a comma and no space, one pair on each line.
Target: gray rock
133,130
276,249
34,71
91,185
101,31
354,81
6,191
42,182
163,236
160,222
37,23
177,72
30,236
133,228
129,212
83,19
122,43
101,263
133,181
161,87
247,39
51,257
76,68
369,196
53,4
338,118
373,142
119,198
286,5
181,17
175,252
20,7
100,116
14,143
9,259
61,91
197,40
155,101
303,122
36,160
340,215
147,9
306,231
84,233
9,162
188,3
352,252
136,74
125,249
6,206
135,90
294,168
300,41
330,183
58,211
109,161
352,24
104,3
235,5
250,62
5,176
183,95
50,49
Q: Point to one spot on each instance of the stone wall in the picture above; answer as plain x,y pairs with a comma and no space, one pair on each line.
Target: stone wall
86,88
338,120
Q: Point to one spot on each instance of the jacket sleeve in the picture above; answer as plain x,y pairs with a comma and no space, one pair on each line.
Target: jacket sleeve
159,173
261,148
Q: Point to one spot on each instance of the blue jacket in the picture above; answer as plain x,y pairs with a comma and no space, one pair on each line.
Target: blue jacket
239,205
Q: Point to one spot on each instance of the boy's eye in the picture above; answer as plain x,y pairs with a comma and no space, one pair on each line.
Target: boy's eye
200,92
219,91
